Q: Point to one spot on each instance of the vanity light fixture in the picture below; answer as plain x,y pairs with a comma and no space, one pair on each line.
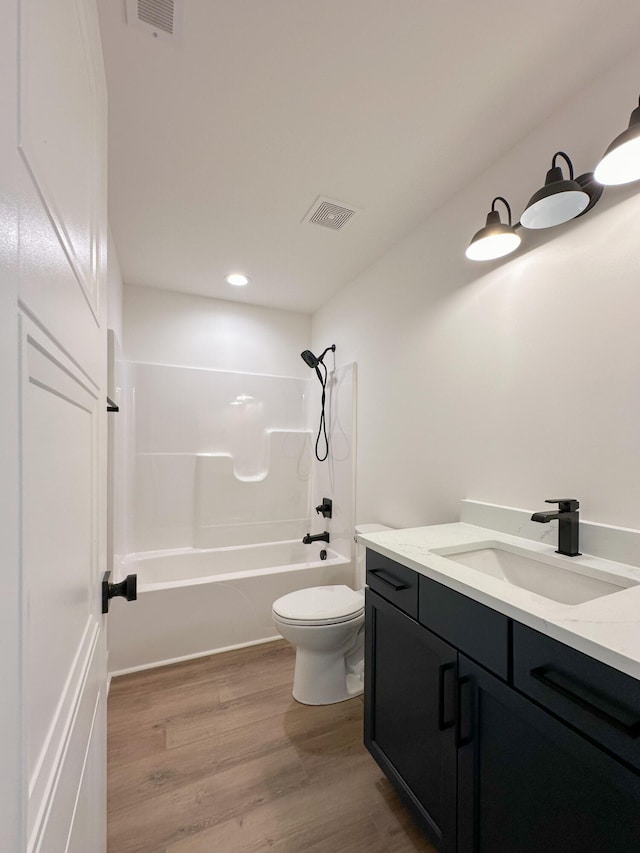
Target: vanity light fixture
496,239
558,201
237,279
562,199
620,163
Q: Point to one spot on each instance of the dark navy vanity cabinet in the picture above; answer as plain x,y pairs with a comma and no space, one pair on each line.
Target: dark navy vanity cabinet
409,701
499,739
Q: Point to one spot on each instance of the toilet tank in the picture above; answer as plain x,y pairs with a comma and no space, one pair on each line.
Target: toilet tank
361,550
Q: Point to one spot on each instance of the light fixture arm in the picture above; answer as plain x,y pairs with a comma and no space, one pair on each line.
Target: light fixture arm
506,204
567,160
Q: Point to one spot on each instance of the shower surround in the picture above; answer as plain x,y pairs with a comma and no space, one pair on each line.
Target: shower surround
217,471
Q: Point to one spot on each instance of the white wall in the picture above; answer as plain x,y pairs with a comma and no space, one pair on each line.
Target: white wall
162,327
512,382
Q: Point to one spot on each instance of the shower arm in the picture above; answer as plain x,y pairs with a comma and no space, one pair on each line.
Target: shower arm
332,348
321,361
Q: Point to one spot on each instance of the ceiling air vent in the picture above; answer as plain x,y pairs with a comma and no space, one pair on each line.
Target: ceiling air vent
330,213
161,18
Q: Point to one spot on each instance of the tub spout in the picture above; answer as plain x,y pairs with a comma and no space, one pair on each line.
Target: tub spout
319,537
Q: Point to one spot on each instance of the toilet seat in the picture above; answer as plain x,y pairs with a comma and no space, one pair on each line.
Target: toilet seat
319,605
318,622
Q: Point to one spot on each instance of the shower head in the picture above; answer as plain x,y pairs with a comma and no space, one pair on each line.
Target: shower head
313,361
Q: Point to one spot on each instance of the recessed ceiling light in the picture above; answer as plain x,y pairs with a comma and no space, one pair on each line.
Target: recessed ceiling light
237,279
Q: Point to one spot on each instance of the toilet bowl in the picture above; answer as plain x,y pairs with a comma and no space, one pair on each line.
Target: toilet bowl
326,625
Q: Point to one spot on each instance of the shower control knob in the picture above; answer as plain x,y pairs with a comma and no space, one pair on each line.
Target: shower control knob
128,588
325,508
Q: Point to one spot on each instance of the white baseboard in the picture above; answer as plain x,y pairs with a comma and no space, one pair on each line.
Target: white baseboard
169,661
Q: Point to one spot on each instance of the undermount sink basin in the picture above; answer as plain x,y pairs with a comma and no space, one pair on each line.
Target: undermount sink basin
556,578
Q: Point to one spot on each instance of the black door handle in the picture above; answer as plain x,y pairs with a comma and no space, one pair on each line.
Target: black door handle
442,671
128,588
464,740
388,579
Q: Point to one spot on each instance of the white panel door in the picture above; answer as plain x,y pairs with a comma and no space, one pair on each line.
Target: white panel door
52,175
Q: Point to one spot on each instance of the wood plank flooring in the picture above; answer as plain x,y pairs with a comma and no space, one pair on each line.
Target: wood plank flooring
214,756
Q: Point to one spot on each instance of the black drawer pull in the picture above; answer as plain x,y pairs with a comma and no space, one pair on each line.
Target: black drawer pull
599,706
385,577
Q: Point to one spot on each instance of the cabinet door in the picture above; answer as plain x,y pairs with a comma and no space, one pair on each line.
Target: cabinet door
409,707
528,783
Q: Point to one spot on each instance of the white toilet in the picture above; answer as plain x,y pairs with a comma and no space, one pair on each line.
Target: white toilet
326,625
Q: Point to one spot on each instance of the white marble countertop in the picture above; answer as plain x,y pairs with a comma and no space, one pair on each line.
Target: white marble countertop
607,628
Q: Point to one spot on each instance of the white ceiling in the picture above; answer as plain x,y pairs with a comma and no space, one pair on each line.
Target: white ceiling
220,143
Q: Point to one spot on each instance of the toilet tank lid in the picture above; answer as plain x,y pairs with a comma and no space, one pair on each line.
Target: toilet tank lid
319,602
372,528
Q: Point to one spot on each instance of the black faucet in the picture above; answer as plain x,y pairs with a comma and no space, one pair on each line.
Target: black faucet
319,537
568,522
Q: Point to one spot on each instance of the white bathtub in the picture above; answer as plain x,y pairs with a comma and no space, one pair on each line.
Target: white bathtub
197,602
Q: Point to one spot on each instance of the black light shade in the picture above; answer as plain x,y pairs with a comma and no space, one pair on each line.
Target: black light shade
558,201
620,163
495,240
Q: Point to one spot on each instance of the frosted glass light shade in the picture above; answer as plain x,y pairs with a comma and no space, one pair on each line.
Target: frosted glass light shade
493,246
555,209
621,161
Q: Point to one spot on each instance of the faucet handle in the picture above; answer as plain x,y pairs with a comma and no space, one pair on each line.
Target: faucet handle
565,504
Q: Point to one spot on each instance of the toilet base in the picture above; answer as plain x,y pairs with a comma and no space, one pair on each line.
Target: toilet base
329,659
322,679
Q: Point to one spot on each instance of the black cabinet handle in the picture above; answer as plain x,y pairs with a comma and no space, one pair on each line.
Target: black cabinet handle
385,577
465,682
583,697
443,669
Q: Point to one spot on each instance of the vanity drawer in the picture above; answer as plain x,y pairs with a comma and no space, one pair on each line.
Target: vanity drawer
393,581
599,701
479,632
